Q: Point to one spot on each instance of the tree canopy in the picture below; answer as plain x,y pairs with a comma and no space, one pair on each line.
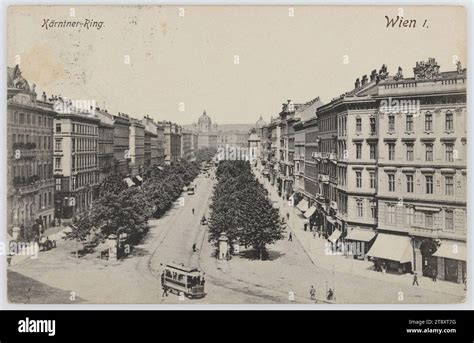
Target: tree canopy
241,208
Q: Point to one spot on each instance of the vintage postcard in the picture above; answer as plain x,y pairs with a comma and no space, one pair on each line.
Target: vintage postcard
236,155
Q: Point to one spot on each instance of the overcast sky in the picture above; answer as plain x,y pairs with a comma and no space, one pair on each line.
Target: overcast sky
190,59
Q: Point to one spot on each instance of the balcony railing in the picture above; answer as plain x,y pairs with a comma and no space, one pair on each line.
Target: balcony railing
20,181
24,146
324,177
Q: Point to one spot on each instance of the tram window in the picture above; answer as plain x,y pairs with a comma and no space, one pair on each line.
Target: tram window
181,277
168,273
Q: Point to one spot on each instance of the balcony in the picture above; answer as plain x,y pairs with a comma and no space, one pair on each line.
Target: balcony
316,155
20,181
24,150
24,146
323,178
434,233
24,185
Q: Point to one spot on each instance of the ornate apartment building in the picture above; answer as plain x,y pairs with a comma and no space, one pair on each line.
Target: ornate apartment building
30,195
422,176
121,142
105,143
384,165
151,141
137,147
76,167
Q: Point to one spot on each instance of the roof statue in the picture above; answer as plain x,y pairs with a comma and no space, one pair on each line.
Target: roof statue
459,67
426,70
383,73
16,80
399,74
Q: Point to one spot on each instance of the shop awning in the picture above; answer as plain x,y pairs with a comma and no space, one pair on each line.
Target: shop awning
129,182
392,247
360,235
452,250
335,236
303,205
310,212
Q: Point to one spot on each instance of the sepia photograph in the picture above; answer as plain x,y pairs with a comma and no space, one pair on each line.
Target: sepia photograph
205,154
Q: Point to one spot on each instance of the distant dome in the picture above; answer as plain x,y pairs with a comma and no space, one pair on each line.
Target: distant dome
260,123
204,119
204,122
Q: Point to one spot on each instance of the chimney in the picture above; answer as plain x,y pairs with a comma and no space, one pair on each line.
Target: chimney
357,83
44,97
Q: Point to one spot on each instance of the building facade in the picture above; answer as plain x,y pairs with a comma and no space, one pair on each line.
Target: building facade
422,176
76,167
172,138
30,195
105,143
207,135
137,147
151,142
187,151
121,142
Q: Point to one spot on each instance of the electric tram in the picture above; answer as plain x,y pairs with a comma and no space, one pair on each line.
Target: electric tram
178,278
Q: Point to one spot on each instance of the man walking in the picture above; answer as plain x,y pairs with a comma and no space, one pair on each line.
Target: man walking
312,293
434,275
415,279
193,211
290,238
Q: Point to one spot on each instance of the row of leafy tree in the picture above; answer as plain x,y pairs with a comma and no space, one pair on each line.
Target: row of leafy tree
242,209
121,209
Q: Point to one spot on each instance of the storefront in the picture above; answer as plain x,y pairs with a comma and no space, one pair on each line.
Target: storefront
429,262
363,238
451,261
392,252
330,225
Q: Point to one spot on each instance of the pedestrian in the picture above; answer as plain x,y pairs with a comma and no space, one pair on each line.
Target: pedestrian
165,289
312,293
435,275
415,279
288,216
193,211
290,238
330,294
194,247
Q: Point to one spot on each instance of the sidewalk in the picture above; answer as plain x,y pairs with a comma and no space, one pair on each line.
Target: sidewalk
320,255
